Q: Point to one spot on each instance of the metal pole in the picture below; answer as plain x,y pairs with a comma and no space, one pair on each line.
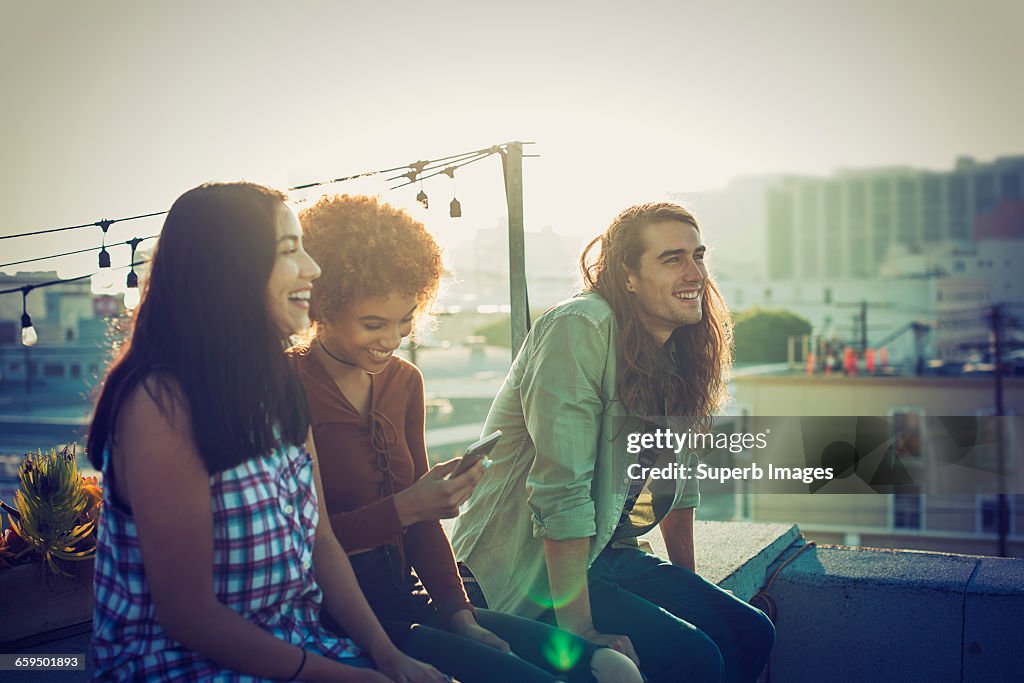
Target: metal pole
512,163
863,326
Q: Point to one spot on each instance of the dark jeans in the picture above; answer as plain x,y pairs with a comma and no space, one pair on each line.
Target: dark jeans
543,653
682,627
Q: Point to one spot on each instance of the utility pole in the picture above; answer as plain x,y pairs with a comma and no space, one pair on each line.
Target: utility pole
860,320
1002,508
512,165
863,326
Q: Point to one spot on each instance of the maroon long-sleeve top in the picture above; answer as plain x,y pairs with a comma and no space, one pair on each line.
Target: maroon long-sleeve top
365,461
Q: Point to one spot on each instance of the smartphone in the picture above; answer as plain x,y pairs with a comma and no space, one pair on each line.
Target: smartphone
475,452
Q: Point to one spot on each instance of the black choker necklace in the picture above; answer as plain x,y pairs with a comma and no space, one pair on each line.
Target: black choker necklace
340,360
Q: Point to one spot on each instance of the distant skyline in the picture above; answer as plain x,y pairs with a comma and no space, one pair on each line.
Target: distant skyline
114,108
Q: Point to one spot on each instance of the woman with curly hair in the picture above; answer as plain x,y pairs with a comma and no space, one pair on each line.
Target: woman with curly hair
214,555
381,270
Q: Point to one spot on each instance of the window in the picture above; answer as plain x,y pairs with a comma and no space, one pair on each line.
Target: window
988,513
76,370
906,511
53,370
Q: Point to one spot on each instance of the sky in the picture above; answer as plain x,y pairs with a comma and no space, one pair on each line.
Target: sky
114,108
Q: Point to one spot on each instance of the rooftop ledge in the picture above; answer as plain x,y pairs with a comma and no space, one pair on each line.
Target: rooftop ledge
849,614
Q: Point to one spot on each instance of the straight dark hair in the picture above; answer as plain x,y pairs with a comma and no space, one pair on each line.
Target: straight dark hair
202,336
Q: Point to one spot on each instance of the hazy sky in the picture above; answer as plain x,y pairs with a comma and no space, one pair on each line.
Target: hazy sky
112,109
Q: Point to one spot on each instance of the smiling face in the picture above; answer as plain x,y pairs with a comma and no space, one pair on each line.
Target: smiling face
369,331
291,280
668,285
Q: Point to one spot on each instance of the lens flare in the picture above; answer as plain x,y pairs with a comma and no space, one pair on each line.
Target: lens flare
562,651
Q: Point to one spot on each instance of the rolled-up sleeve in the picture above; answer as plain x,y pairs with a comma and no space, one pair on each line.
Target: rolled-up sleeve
562,404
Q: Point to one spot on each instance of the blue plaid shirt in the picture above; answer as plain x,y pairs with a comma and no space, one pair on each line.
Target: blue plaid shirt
264,522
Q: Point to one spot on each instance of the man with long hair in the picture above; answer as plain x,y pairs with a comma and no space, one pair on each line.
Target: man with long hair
551,531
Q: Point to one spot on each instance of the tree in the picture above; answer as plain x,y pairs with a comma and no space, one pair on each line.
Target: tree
498,332
762,335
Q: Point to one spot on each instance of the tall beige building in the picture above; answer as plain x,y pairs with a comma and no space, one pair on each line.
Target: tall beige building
843,226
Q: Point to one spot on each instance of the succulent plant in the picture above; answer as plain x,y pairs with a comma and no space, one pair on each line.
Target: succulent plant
51,504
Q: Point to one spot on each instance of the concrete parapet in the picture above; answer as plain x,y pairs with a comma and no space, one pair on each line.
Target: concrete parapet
851,614
735,555
994,621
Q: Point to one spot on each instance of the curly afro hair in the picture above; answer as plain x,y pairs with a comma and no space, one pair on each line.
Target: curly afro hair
368,248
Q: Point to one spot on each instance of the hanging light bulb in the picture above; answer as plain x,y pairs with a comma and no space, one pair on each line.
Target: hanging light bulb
132,296
28,332
422,199
103,280
455,208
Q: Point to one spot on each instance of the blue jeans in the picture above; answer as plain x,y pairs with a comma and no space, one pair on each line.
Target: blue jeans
683,628
543,654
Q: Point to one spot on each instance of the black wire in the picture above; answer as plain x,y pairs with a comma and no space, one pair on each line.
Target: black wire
463,159
465,163
412,166
70,279
70,253
489,150
446,163
83,225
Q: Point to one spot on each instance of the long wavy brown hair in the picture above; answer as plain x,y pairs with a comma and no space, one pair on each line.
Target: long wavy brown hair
692,371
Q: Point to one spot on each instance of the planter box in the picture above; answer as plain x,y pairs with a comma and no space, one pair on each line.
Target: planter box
34,602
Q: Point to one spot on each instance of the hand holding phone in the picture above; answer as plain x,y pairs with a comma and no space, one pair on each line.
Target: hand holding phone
475,452
440,492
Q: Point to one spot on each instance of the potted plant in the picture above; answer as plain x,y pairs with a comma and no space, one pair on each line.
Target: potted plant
46,553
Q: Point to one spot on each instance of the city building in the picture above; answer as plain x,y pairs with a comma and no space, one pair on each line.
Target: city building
845,226
961,522
74,336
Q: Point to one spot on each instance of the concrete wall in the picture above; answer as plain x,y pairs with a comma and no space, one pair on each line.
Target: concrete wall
798,395
846,614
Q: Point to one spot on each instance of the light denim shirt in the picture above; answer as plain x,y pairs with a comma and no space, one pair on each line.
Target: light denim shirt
560,468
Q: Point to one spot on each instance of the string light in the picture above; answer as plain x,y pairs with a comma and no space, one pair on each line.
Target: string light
132,295
422,198
28,332
104,279
455,208
83,225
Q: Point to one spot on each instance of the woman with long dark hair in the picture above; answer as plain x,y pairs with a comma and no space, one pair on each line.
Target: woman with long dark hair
381,273
214,552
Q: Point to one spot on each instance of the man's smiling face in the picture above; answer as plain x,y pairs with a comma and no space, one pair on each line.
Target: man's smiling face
668,286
